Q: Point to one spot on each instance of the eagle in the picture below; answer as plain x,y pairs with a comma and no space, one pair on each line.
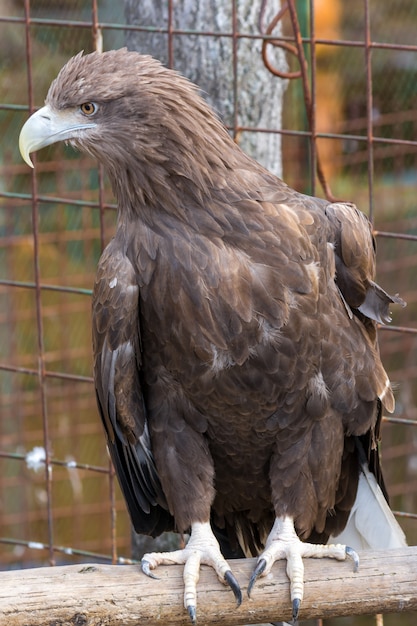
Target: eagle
236,361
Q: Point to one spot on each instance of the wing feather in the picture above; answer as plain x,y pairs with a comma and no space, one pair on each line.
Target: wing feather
117,363
355,263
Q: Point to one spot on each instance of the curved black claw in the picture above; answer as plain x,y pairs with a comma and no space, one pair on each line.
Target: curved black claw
350,552
295,609
259,569
192,613
234,586
146,569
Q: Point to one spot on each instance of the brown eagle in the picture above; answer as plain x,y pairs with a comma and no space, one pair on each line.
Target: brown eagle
236,361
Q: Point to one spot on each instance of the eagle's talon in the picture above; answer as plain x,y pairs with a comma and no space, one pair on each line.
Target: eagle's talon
146,569
296,603
192,613
258,571
234,586
351,553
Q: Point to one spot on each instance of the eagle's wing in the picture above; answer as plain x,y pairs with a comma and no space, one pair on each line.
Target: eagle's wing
117,368
355,263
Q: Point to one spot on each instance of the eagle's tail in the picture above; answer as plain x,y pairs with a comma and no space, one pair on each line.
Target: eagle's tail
371,523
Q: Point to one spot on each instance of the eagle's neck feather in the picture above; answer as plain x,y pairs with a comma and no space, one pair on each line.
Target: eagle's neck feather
174,179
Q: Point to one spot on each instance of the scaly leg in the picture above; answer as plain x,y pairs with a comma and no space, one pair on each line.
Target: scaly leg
202,548
283,543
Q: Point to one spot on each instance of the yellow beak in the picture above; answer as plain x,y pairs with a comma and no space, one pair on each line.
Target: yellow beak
48,126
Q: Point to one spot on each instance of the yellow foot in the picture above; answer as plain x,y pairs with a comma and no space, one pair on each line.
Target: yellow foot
283,543
202,548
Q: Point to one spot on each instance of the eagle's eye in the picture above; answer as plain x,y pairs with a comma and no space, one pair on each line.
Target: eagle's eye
88,108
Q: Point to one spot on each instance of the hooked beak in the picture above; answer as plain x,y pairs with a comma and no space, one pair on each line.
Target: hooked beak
48,126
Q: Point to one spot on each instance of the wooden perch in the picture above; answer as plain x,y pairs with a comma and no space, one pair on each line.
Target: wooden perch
112,595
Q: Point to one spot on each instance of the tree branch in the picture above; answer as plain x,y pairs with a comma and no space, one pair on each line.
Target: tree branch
95,595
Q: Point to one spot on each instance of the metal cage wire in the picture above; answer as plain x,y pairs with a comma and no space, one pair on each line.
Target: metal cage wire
43,384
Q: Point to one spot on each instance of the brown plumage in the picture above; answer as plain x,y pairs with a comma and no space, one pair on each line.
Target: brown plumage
235,351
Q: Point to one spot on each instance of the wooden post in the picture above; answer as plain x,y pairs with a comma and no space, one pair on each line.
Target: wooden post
120,595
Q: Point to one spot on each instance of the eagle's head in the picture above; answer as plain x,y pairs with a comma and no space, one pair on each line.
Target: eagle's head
156,137
101,104
116,104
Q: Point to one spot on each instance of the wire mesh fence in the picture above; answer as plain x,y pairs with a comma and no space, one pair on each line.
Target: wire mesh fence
348,131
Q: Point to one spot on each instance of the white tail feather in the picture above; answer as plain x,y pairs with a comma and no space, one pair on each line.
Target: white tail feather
371,523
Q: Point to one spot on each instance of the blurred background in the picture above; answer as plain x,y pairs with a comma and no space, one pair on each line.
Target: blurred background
345,127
